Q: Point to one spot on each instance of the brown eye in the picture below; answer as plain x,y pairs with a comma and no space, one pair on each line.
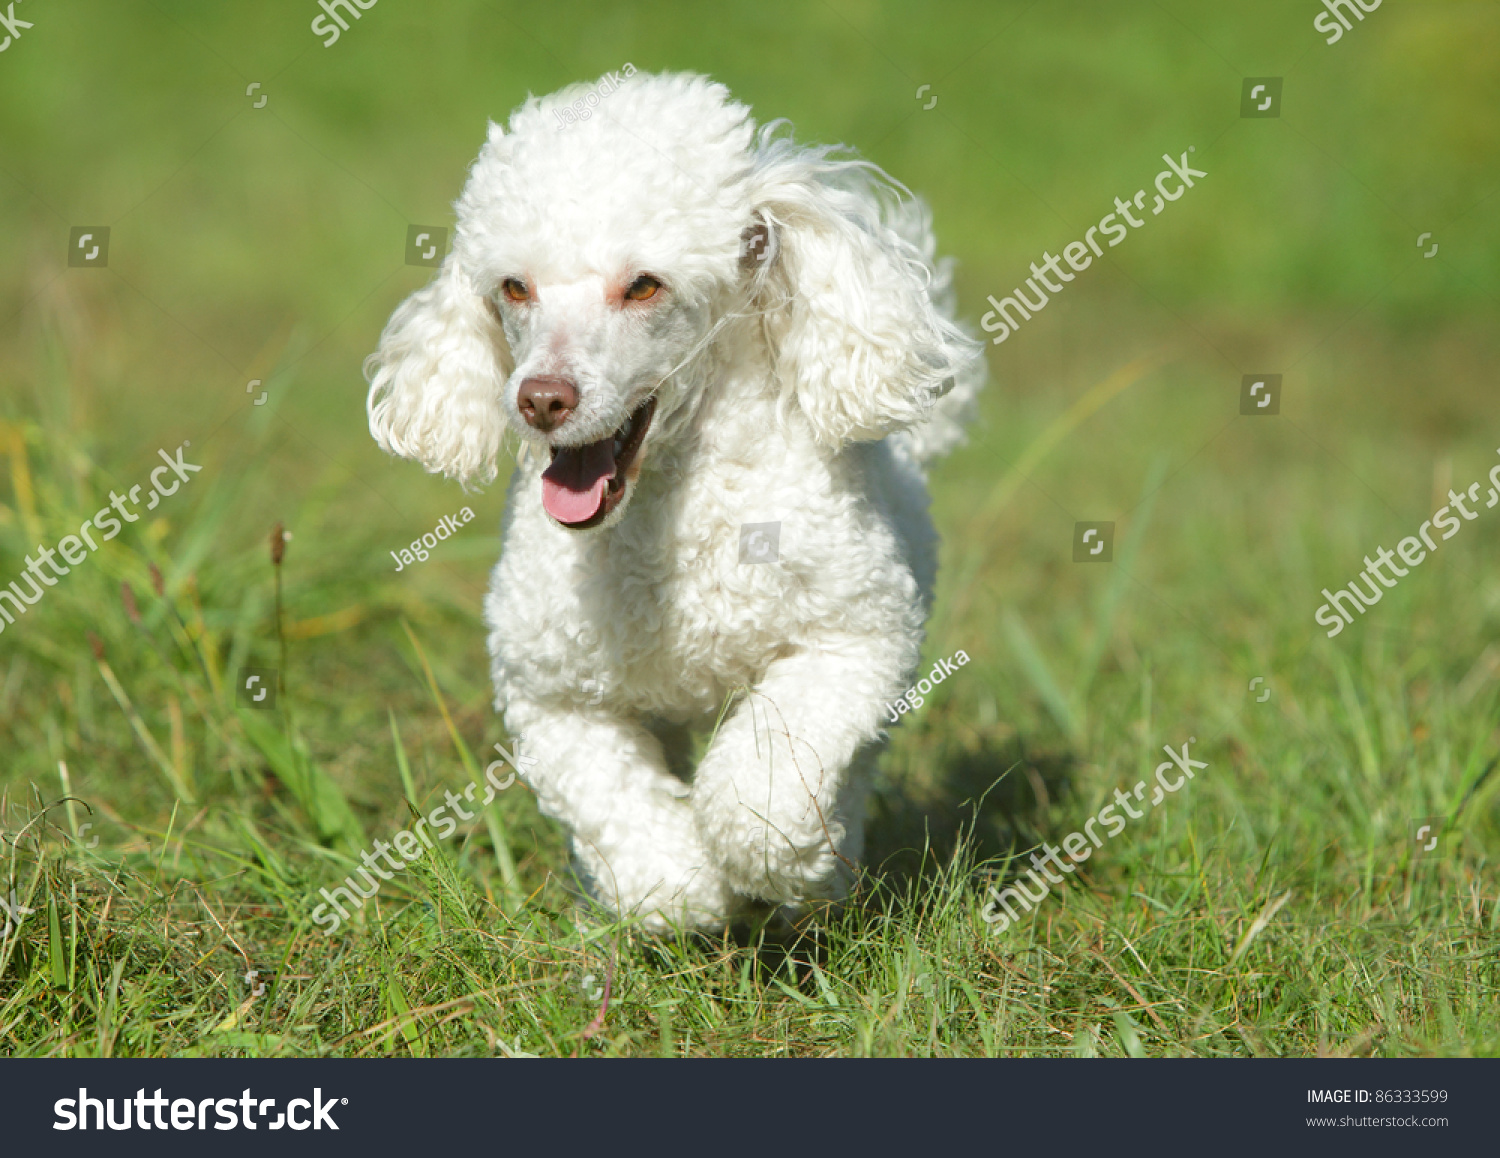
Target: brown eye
642,288
515,290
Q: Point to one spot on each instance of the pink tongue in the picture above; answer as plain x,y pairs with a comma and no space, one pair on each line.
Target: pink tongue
573,486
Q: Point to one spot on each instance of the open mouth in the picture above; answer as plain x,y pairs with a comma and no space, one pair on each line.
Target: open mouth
584,483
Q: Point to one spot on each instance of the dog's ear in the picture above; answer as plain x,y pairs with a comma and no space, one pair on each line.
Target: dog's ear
436,379
843,270
757,249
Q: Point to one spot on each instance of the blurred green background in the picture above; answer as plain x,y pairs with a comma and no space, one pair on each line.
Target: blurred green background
244,239
267,243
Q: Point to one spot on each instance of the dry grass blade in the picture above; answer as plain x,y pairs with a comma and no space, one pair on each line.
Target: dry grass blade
1257,926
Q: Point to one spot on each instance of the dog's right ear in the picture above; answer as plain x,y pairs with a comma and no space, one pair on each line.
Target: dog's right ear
846,286
757,250
436,380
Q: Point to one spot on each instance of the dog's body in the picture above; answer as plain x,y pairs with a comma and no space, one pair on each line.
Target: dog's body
698,328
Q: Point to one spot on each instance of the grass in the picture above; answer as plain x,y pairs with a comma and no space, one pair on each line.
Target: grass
170,842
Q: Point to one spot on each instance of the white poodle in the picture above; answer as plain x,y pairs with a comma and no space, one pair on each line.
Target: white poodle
693,325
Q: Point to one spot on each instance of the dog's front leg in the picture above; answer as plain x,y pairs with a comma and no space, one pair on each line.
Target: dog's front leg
779,796
631,824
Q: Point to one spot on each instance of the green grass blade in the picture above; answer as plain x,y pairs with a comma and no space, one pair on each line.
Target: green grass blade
1039,674
319,797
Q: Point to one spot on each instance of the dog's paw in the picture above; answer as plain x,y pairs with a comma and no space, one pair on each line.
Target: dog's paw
664,881
775,827
789,864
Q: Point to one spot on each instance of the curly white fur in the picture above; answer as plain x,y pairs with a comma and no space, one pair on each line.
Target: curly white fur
805,363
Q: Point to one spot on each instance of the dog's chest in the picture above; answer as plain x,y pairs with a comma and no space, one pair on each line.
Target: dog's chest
688,603
708,579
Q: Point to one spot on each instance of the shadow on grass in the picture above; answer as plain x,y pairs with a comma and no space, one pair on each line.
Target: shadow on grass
985,804
980,808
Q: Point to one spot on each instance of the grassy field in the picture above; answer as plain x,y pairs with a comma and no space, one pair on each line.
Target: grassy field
167,843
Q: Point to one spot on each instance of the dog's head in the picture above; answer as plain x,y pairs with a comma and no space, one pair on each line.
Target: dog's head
597,259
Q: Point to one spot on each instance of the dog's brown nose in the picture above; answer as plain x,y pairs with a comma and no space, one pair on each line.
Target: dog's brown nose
547,401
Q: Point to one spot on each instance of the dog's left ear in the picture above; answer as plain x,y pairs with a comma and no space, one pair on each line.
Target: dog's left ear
435,382
842,269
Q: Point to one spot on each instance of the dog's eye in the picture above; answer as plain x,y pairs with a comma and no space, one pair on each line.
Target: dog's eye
642,288
515,290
